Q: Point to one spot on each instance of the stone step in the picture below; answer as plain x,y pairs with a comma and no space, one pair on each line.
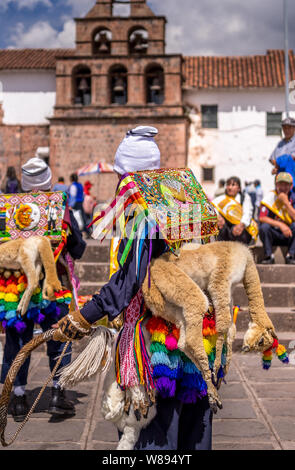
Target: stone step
275,295
282,318
91,272
96,252
87,271
276,273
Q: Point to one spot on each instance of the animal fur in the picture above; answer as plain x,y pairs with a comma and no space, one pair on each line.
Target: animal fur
130,410
213,268
29,255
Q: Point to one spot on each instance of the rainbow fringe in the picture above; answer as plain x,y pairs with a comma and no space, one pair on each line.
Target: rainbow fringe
280,351
174,374
12,290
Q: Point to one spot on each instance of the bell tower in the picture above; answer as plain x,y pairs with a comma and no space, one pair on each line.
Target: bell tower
119,76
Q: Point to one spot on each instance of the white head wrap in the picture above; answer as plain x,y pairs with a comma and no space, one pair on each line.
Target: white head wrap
36,174
138,151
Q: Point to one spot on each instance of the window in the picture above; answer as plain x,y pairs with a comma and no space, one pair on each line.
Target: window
138,41
101,43
155,89
209,116
82,85
207,174
118,85
273,123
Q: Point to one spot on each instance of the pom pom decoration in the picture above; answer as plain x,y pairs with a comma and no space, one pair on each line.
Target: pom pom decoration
174,373
12,288
280,351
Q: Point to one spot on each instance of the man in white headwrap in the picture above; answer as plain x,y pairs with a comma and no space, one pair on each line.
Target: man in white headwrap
36,176
177,426
138,151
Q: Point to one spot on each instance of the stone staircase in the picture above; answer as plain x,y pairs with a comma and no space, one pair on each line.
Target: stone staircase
278,286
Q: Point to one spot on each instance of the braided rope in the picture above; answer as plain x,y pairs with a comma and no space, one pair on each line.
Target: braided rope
10,378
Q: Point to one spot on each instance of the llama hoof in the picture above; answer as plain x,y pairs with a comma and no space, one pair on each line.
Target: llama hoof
214,378
127,407
145,413
214,403
137,415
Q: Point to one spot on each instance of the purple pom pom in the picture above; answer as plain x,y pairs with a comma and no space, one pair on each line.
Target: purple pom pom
20,327
166,387
40,318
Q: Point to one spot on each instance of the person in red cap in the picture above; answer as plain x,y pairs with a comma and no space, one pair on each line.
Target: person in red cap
89,202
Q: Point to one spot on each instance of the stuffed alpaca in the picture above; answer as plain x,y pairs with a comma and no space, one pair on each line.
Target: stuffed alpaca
213,268
29,255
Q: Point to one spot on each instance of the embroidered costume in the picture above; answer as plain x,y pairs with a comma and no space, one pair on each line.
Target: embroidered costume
44,214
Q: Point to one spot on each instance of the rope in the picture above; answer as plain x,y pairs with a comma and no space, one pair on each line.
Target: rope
7,387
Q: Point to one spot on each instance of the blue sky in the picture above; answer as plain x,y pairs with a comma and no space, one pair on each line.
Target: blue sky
195,27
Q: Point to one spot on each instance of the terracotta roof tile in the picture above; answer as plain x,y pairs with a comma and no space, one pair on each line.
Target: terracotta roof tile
239,71
31,58
200,72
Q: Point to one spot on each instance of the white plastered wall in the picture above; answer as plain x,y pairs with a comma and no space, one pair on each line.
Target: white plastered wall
28,97
240,146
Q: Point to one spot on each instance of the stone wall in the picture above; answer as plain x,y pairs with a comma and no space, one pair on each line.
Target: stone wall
74,144
19,143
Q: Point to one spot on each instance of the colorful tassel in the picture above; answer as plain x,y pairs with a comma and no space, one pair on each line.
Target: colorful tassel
11,292
173,372
280,351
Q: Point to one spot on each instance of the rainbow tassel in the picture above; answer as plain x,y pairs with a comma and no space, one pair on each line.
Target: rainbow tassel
173,372
280,351
11,292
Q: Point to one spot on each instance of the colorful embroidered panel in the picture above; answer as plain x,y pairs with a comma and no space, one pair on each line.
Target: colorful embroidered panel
177,202
24,215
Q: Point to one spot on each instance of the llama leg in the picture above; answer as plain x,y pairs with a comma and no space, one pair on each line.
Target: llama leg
178,288
229,343
129,437
221,297
33,278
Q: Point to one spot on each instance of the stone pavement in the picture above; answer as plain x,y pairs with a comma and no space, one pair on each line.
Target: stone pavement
258,411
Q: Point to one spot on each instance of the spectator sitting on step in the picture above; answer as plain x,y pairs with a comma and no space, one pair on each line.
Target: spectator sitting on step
277,219
235,210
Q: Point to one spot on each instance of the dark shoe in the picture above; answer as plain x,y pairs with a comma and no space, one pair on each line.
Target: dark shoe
58,404
290,259
268,260
19,408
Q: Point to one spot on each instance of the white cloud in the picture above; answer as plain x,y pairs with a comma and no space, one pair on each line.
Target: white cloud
30,4
42,35
80,7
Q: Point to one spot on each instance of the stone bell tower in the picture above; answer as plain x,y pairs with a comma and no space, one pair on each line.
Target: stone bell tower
118,77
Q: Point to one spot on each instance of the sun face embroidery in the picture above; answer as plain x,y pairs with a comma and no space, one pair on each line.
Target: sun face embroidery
27,216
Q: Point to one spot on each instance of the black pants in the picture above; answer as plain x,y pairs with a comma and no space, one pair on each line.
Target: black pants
272,236
15,341
226,235
178,426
